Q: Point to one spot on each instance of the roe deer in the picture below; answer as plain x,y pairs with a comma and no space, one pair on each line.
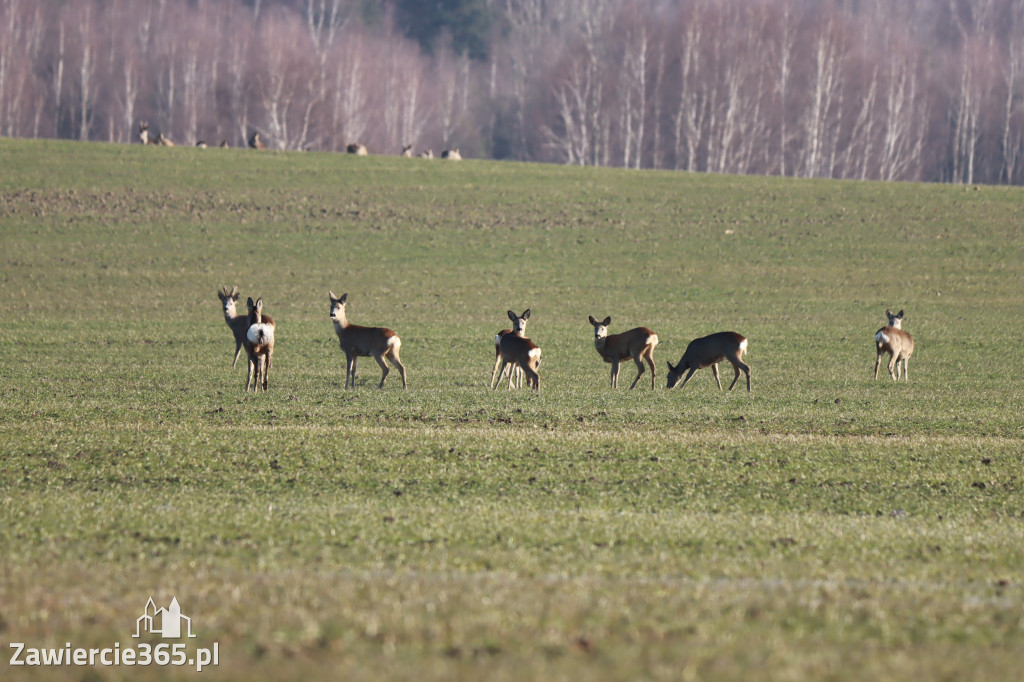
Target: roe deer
163,141
429,154
376,342
259,345
515,372
407,151
255,142
451,154
356,148
239,324
144,132
897,343
637,343
711,350
519,351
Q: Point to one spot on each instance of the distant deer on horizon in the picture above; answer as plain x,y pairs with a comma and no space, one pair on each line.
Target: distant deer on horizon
638,343
451,154
407,151
356,148
144,132
255,142
897,343
711,350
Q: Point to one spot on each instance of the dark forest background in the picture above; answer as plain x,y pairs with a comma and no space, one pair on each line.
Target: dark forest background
879,89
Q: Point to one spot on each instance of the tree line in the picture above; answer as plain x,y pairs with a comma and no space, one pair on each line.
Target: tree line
876,89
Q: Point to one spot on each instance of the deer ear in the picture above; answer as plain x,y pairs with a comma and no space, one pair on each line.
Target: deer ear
344,297
607,321
670,367
592,320
900,315
331,294
888,312
259,303
511,316
249,303
526,315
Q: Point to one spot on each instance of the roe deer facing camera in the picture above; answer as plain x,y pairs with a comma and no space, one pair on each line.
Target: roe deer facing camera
711,350
519,351
897,343
515,373
638,343
380,343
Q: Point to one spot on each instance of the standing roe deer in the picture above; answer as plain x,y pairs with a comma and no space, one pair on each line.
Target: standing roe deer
515,372
376,342
519,351
897,343
638,343
239,324
255,142
144,132
259,345
711,350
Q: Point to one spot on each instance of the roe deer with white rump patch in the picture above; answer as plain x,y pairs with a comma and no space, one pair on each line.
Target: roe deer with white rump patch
897,343
519,351
259,345
239,324
711,350
356,341
515,372
636,343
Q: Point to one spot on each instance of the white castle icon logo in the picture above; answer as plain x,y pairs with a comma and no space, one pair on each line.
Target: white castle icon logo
170,621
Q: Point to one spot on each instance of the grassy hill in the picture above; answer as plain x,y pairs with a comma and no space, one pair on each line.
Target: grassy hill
823,526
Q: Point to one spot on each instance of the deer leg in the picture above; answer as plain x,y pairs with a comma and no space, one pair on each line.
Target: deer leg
397,362
906,377
350,370
238,351
252,370
687,377
384,369
497,364
615,373
892,366
718,380
878,362
639,370
532,378
650,361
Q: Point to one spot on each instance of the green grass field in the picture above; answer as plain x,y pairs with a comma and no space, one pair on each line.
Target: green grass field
825,526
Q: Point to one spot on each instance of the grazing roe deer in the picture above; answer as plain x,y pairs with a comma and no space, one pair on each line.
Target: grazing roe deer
897,343
638,343
259,345
356,148
515,372
255,142
451,154
376,342
163,141
519,351
711,350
